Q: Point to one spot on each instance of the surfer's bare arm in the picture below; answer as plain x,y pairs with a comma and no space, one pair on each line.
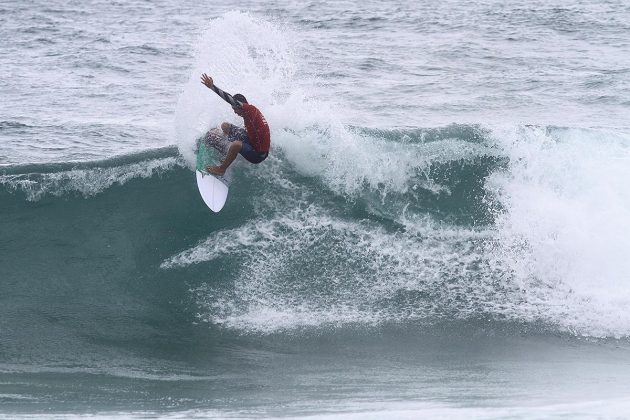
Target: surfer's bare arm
207,81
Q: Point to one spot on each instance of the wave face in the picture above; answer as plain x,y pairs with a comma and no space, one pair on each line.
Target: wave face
358,225
342,227
443,217
524,226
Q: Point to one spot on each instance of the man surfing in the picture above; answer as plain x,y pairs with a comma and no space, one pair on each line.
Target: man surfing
252,142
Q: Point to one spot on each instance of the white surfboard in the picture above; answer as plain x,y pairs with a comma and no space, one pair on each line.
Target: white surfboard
213,191
213,188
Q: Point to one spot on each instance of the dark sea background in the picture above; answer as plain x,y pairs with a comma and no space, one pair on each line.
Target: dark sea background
442,229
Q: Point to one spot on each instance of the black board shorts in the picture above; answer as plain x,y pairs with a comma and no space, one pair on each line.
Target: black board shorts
247,151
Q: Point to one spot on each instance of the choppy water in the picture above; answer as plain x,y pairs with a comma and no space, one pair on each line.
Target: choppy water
442,227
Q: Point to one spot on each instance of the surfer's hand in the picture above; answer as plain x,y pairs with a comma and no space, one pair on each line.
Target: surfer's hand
207,80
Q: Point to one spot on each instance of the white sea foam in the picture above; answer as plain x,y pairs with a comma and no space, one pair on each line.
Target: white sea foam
113,371
565,229
307,268
361,409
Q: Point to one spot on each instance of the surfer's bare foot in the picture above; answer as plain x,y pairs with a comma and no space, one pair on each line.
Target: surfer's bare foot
216,170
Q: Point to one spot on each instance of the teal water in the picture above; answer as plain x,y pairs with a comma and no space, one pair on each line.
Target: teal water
124,295
440,229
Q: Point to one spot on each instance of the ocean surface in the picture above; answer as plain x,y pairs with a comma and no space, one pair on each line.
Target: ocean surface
441,230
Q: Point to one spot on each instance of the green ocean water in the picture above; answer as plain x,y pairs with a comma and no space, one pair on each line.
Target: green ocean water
440,230
123,294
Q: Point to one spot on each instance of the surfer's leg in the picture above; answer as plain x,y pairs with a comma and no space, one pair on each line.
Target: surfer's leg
216,140
234,132
233,150
249,153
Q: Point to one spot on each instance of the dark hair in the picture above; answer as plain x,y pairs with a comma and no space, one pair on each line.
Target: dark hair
240,98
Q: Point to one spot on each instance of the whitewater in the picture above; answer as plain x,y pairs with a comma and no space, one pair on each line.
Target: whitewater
441,228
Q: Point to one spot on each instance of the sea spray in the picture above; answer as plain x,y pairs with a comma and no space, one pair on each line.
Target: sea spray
564,230
255,57
244,55
308,269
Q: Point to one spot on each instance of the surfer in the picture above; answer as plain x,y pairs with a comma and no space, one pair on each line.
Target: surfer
252,142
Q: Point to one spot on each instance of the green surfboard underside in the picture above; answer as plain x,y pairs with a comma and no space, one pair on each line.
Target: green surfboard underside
205,156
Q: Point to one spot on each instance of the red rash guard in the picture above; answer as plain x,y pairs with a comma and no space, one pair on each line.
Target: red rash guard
255,123
257,128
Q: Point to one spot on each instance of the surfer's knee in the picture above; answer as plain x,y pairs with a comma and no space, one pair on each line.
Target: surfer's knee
226,127
236,145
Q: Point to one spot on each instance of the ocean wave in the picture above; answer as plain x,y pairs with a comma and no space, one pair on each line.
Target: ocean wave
87,178
520,224
12,125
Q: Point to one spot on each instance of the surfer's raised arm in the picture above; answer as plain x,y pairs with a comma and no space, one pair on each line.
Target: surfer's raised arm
253,141
207,80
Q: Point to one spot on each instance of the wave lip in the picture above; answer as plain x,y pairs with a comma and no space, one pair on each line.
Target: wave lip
86,178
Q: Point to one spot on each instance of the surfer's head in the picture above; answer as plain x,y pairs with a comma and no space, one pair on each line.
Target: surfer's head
239,97
238,110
